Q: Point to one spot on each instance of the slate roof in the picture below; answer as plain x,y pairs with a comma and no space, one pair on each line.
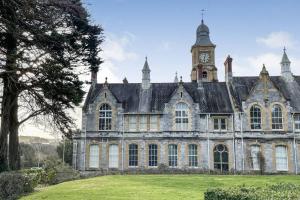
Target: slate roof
213,98
241,87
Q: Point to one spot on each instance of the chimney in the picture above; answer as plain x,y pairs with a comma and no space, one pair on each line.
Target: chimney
94,77
228,69
200,76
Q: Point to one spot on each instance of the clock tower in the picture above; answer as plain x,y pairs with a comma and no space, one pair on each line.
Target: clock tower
203,57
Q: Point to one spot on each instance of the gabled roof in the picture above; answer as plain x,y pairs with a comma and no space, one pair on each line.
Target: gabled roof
241,88
213,98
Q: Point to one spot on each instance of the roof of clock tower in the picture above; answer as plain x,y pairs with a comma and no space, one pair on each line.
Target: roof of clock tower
203,36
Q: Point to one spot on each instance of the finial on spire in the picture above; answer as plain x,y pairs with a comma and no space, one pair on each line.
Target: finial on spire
146,58
284,49
202,13
176,78
181,80
105,80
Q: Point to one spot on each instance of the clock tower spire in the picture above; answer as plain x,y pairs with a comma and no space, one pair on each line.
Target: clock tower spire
203,56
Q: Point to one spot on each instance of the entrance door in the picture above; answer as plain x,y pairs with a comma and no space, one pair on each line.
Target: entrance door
113,156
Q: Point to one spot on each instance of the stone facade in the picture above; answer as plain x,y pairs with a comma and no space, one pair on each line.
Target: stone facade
202,125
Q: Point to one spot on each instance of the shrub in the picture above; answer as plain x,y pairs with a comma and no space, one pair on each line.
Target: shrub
13,184
270,192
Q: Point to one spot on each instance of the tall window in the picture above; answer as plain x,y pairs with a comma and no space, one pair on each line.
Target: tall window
221,158
277,117
143,123
193,155
281,158
132,123
181,117
94,156
105,116
172,155
255,157
113,156
297,122
255,117
220,124
153,123
133,155
153,155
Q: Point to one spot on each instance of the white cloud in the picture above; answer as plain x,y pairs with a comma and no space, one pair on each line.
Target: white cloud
251,66
115,48
278,40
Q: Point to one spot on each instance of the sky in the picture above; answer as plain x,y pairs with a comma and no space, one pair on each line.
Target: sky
252,32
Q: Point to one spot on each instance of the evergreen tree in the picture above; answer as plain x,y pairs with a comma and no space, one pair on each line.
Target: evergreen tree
44,46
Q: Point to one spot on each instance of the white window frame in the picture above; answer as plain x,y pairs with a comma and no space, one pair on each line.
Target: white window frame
94,156
105,117
132,123
113,156
297,122
254,152
153,123
173,155
153,155
143,123
255,117
281,155
133,155
193,155
182,116
219,124
277,117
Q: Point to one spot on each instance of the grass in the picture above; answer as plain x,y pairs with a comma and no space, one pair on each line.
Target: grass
150,186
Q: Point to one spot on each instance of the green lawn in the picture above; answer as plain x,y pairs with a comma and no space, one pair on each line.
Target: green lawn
150,186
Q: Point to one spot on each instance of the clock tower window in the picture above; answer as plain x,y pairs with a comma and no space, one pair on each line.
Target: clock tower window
204,74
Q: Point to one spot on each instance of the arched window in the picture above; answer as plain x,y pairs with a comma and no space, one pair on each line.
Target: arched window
221,158
277,118
181,116
204,74
105,115
255,117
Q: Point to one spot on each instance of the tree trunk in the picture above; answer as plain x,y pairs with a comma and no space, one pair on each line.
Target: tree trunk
5,111
14,151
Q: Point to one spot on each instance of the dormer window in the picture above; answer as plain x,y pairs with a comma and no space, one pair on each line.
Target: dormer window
105,117
220,124
181,117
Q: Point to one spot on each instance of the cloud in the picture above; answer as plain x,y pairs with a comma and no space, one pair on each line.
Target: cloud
115,48
278,40
251,66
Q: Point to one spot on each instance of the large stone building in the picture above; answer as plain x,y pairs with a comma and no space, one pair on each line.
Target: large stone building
243,124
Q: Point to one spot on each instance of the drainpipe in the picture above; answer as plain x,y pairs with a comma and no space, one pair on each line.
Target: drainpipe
84,160
208,142
294,145
242,137
233,141
123,122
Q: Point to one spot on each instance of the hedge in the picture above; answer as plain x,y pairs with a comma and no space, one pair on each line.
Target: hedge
269,192
13,185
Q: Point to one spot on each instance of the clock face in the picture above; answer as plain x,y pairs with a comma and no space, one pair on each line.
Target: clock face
204,57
